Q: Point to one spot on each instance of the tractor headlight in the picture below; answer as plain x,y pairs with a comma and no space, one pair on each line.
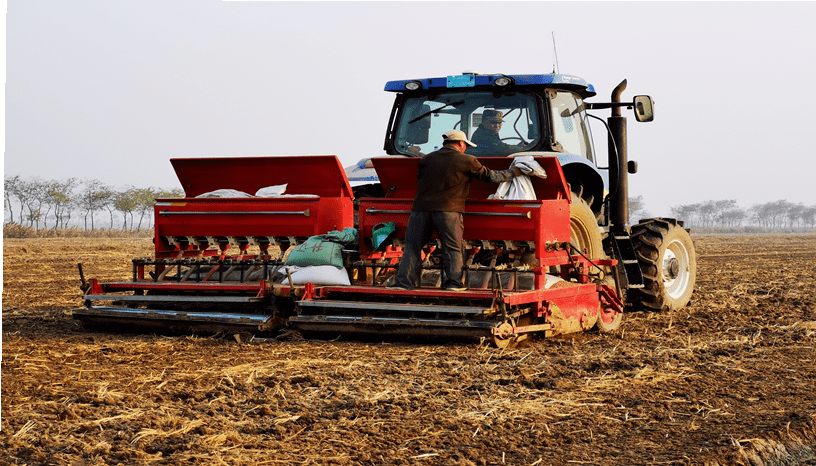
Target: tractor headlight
502,81
413,85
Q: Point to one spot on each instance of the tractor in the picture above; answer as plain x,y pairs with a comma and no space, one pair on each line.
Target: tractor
564,260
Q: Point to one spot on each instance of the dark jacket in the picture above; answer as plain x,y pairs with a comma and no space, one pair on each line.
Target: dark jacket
444,180
490,144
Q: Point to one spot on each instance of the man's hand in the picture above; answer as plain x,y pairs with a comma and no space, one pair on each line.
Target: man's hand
516,171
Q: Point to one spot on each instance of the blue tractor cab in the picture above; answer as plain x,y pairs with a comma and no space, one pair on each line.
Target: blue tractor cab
540,114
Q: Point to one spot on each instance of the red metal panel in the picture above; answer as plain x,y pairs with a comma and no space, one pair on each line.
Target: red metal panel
257,217
548,221
398,176
556,295
322,175
327,206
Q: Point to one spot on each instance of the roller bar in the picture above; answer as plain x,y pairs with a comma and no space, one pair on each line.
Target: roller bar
258,320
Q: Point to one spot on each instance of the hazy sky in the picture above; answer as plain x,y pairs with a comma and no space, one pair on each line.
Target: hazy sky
111,90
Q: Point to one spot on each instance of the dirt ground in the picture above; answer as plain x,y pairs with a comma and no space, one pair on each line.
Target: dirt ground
731,379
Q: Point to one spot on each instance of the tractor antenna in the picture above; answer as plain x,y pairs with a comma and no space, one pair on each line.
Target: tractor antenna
556,67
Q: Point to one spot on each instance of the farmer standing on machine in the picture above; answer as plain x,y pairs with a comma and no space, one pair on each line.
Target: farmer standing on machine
444,183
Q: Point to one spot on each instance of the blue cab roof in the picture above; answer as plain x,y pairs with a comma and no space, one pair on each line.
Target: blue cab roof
487,80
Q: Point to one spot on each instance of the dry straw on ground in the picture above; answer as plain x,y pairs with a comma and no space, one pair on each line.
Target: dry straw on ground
728,380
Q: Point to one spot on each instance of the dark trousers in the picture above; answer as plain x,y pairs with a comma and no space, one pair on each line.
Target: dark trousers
449,227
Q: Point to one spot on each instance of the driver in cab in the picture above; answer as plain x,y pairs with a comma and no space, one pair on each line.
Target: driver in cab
487,137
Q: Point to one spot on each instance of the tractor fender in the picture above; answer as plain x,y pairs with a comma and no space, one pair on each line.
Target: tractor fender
584,179
583,176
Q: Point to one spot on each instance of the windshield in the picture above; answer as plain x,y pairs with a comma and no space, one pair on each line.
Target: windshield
570,128
499,125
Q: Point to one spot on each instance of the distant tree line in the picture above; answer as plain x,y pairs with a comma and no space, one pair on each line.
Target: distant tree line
59,204
775,215
43,204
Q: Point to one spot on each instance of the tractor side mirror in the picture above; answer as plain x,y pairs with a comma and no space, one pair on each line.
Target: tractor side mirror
644,108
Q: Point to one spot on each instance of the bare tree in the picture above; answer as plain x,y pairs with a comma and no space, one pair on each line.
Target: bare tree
809,216
718,208
10,188
125,202
23,189
793,213
145,198
59,197
34,195
688,213
109,197
93,198
732,217
164,194
637,209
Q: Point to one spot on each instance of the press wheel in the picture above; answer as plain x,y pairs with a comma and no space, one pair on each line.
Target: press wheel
503,336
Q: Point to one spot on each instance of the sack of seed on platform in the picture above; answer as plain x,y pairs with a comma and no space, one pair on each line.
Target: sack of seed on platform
320,275
316,251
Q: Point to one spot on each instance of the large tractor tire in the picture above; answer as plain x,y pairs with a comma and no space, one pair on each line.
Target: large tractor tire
584,231
586,236
669,264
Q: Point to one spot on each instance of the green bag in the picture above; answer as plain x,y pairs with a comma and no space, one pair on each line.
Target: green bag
316,251
322,249
346,236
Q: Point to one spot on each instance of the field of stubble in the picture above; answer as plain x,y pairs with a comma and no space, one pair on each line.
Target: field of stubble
731,379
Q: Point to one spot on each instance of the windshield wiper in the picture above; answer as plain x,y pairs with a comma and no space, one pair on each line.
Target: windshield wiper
458,102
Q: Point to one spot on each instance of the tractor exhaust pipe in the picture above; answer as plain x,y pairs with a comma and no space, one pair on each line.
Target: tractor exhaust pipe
618,161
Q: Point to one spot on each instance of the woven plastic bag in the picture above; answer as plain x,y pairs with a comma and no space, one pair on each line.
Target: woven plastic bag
322,249
520,188
316,251
319,275
345,236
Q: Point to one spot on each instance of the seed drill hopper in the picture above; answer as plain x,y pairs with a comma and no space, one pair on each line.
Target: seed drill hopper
215,256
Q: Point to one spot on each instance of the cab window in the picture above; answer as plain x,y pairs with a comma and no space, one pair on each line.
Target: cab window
570,128
424,119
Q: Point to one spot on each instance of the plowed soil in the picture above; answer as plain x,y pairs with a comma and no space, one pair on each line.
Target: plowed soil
731,379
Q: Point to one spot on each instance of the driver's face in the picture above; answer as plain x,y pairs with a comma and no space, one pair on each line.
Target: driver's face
493,126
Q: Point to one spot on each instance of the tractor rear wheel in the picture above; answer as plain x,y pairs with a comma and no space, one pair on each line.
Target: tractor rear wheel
586,236
584,231
669,264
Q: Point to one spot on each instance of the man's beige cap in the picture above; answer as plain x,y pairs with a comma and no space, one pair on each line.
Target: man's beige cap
456,135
